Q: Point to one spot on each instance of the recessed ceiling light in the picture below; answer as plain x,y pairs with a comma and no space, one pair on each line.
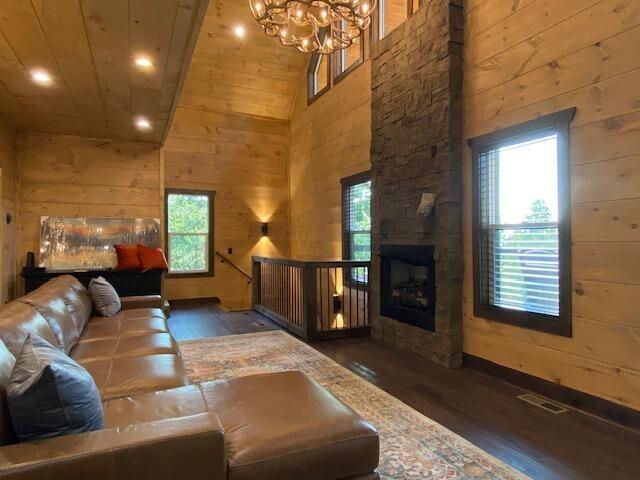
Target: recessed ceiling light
41,77
142,123
239,31
143,62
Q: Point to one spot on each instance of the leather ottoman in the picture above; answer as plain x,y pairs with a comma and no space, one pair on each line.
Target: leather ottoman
285,426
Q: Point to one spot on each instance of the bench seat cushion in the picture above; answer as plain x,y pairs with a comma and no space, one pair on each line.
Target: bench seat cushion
286,426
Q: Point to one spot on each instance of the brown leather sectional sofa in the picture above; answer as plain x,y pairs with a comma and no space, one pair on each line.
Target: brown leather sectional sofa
157,426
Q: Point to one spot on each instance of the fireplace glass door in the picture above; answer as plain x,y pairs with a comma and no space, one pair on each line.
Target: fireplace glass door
408,285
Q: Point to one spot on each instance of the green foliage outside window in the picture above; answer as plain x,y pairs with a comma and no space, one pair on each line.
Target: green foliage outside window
360,221
188,226
360,227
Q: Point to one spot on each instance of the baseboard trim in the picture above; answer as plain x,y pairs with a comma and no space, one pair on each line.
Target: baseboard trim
586,402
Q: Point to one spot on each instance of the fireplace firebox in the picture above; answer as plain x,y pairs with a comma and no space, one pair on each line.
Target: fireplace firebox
408,284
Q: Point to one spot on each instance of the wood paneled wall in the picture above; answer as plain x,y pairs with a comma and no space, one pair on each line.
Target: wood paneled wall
330,139
529,58
243,159
8,231
522,59
80,176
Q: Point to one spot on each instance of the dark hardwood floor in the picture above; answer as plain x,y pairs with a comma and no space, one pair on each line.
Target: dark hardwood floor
480,408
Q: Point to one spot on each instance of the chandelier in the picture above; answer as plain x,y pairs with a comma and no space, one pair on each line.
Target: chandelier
320,26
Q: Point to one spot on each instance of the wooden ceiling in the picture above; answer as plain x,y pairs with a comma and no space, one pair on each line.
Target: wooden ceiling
89,46
254,75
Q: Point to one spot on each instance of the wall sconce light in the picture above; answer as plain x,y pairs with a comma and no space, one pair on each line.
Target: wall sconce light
265,229
337,304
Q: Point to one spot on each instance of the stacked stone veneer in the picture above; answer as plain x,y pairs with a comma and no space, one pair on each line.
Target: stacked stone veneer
416,125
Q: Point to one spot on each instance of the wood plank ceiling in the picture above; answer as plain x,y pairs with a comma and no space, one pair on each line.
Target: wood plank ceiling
253,75
88,46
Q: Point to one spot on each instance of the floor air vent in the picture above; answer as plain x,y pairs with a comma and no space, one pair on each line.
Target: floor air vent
543,403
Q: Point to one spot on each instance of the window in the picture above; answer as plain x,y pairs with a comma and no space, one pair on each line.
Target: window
317,76
522,258
347,59
189,226
391,13
356,221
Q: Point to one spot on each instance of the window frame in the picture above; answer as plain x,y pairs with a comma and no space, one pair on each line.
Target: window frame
378,16
559,123
348,182
337,75
314,65
210,272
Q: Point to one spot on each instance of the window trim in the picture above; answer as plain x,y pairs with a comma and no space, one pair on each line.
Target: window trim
378,16
339,76
314,64
346,183
561,325
211,249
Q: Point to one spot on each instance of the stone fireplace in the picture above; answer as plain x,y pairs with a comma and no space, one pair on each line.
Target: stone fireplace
416,125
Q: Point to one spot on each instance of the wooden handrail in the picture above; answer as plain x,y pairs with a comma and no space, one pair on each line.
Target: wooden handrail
226,259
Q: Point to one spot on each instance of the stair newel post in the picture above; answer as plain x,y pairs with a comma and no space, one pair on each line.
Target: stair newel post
256,284
309,301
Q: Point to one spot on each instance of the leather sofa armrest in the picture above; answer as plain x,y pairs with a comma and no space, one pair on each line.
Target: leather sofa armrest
168,449
142,301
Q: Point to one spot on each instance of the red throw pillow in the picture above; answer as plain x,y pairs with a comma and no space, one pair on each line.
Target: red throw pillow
127,257
152,258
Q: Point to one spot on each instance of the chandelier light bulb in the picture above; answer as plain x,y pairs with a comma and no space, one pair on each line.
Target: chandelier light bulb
283,32
365,8
258,7
323,14
299,13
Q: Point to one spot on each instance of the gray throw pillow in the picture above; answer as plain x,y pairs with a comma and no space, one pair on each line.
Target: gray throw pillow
104,297
50,395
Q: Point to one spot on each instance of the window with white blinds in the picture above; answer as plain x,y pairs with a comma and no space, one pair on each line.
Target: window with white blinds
522,231
519,225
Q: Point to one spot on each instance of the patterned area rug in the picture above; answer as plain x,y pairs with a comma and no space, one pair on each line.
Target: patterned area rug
412,446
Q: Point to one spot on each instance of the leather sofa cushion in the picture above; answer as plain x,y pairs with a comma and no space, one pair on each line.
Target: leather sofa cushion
123,377
175,448
50,303
124,347
286,426
122,325
76,297
149,407
17,320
